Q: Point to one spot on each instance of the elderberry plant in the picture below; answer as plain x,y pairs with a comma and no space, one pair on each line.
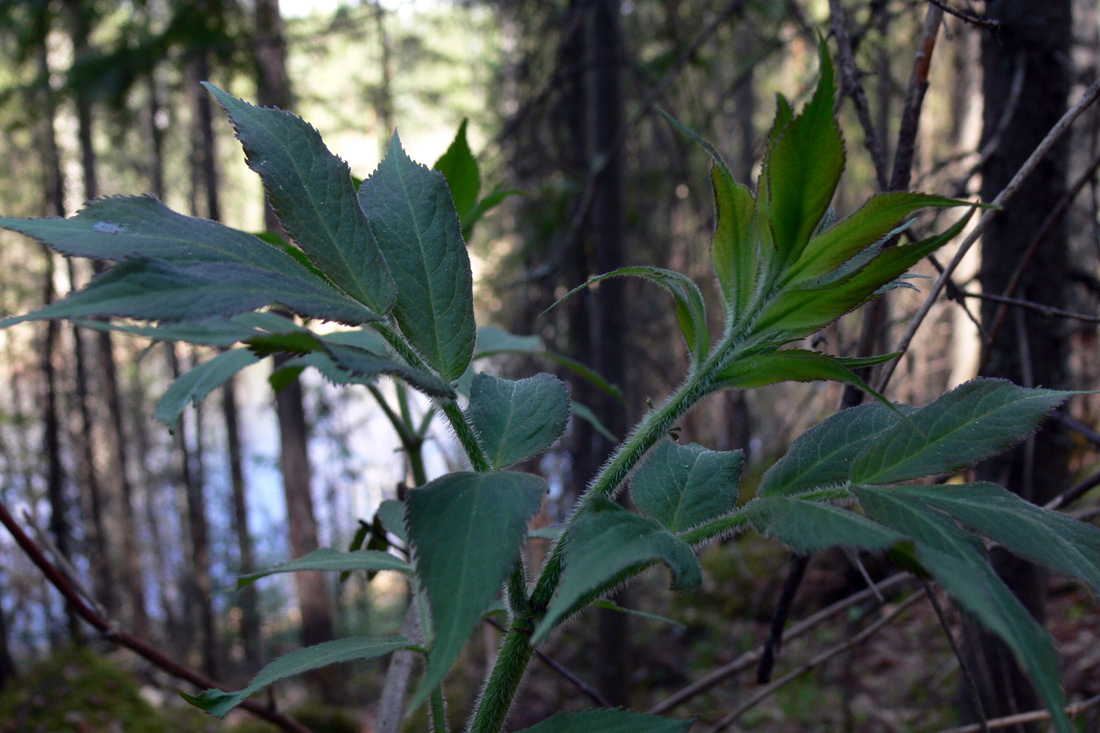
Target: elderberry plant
389,260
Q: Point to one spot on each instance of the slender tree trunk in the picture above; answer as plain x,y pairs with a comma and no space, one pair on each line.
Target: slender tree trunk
1029,349
7,664
273,89
55,470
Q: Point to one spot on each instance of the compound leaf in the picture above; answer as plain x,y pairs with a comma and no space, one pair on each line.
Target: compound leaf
517,419
219,703
413,218
683,486
466,531
312,192
605,539
968,424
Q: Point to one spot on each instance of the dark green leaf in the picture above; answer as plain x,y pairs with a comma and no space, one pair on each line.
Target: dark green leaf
312,193
517,419
219,703
608,721
218,331
634,612
1048,538
328,559
414,221
972,422
297,343
466,531
200,381
492,340
823,455
585,413
810,526
955,557
282,378
459,167
682,486
361,364
798,365
487,204
392,514
605,539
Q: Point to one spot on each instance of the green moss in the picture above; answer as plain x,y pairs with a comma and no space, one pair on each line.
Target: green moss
79,690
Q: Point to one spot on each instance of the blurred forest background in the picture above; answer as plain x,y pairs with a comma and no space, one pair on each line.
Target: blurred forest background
101,97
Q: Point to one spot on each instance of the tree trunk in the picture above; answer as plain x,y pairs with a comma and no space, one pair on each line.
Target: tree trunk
273,89
1029,349
7,665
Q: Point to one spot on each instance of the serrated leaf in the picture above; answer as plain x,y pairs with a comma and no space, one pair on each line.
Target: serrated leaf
312,193
392,514
869,224
200,381
810,526
802,166
296,342
605,539
362,338
1047,538
682,486
955,558
690,310
414,221
219,703
175,291
796,312
361,364
608,721
219,331
328,559
516,419
798,365
285,376
466,531
970,423
823,455
459,167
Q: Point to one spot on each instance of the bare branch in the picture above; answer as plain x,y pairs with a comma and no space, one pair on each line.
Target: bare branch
981,22
1040,152
971,685
57,579
1046,310
1032,717
914,101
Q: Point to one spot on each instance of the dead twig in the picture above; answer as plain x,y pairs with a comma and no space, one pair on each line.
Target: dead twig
1046,310
1031,717
971,685
123,638
978,20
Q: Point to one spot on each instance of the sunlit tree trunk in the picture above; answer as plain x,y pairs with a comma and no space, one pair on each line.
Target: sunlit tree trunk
1029,349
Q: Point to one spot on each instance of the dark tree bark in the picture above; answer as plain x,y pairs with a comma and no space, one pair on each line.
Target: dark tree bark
7,664
1029,349
273,89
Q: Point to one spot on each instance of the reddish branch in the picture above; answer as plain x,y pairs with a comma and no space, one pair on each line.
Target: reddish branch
58,580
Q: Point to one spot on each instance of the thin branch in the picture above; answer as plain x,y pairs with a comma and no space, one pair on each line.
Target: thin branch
1032,717
978,20
1046,310
851,86
560,669
797,569
818,660
914,101
1085,431
57,579
1040,152
971,685
1073,493
749,658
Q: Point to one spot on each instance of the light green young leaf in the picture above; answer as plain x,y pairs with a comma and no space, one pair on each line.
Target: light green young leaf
870,223
414,221
794,313
1048,538
955,557
312,192
466,531
219,703
823,455
459,167
972,422
802,166
690,310
200,381
605,539
328,559
608,721
811,526
682,486
798,365
517,419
